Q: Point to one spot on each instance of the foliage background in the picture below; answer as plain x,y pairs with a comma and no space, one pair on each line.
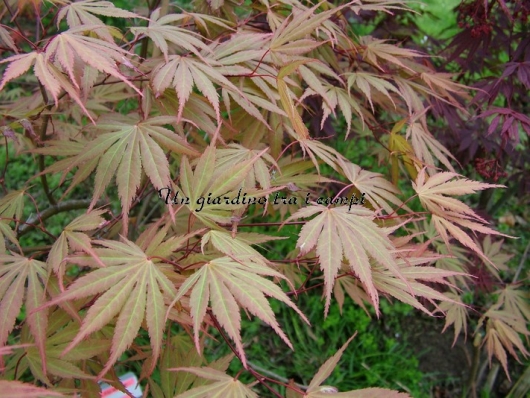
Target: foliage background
374,356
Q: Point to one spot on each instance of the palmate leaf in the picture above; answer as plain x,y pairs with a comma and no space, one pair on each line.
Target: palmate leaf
339,232
16,389
366,81
48,74
377,50
132,288
236,153
208,181
317,390
11,208
60,331
80,13
378,191
423,143
161,32
406,290
74,238
502,333
231,283
224,386
183,73
455,314
450,214
23,277
127,148
70,47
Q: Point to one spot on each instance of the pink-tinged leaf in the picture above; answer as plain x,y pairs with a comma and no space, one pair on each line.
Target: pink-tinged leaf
225,386
11,302
38,321
46,77
229,284
310,232
104,310
129,321
326,369
19,64
97,53
455,314
126,281
199,298
356,236
329,251
6,38
357,258
16,389
80,241
203,172
226,310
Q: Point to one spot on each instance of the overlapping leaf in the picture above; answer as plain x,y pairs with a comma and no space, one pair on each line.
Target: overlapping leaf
23,277
70,47
425,146
129,147
81,13
17,389
132,288
449,213
183,73
378,191
11,207
502,333
317,390
208,182
74,238
224,386
161,31
231,283
60,332
339,233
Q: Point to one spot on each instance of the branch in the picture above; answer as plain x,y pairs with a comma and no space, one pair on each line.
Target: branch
74,204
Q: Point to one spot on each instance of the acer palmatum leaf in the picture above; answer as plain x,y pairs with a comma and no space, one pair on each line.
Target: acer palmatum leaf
423,143
161,31
339,233
378,191
448,212
79,13
317,390
328,367
70,47
73,238
502,333
23,277
455,314
131,287
127,148
224,386
231,283
17,389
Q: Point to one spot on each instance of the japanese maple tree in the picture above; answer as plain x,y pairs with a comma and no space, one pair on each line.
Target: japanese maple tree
165,142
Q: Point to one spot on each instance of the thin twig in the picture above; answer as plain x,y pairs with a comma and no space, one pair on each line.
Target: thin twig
521,264
276,376
42,137
74,204
260,378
